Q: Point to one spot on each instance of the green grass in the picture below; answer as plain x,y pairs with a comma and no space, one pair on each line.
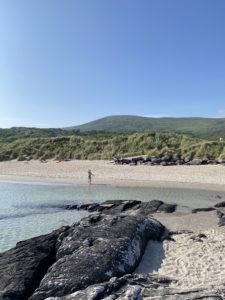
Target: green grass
108,145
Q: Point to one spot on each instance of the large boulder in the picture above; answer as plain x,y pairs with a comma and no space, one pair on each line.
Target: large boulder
100,247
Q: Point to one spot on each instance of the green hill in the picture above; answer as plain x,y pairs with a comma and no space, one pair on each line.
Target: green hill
28,132
211,128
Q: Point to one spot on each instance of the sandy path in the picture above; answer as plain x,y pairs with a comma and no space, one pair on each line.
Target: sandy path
206,177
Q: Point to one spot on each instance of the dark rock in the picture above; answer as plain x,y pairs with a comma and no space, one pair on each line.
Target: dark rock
156,160
198,237
221,204
179,162
183,231
125,161
85,206
137,159
222,221
204,162
71,207
195,162
122,161
211,162
130,204
143,286
95,252
150,207
166,158
187,159
220,214
196,210
23,267
119,206
167,208
148,159
202,235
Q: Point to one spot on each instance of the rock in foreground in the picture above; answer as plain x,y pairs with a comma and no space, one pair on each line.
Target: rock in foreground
23,267
99,248
92,251
140,287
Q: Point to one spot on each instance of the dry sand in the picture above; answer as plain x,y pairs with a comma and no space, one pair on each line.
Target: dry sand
210,177
194,259
193,263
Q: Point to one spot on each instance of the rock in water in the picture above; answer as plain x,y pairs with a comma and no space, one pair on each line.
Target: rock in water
95,250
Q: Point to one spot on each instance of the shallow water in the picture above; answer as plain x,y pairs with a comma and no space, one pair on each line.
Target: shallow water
24,210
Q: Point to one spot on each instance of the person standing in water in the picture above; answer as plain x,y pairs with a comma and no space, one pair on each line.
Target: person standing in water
90,174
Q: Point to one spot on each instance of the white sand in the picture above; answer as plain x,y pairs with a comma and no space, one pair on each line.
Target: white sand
205,177
192,263
195,263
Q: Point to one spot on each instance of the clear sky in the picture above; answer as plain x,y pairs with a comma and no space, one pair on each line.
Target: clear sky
67,62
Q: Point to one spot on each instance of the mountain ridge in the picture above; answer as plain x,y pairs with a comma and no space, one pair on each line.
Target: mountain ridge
206,128
195,126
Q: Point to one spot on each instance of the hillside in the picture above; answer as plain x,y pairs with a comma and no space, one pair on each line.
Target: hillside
208,128
28,132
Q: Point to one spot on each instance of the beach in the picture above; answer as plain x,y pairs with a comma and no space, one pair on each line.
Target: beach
195,257
211,177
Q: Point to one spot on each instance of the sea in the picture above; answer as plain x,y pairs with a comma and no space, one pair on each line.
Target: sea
29,209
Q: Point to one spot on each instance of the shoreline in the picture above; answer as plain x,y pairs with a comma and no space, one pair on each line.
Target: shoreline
206,177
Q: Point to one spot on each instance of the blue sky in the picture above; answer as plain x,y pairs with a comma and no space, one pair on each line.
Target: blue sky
67,62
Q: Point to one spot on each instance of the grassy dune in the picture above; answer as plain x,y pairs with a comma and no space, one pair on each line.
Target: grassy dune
107,146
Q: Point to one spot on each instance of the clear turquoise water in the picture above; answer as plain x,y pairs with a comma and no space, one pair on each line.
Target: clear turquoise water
23,213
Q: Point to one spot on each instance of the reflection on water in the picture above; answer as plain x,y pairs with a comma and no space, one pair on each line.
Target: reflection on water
27,209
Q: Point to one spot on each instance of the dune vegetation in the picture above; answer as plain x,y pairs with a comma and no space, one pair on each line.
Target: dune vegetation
108,145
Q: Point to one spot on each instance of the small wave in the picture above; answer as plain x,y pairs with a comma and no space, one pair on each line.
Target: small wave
51,210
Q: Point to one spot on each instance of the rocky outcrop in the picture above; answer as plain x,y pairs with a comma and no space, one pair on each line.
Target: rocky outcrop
91,259
166,160
98,248
120,206
142,286
23,267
